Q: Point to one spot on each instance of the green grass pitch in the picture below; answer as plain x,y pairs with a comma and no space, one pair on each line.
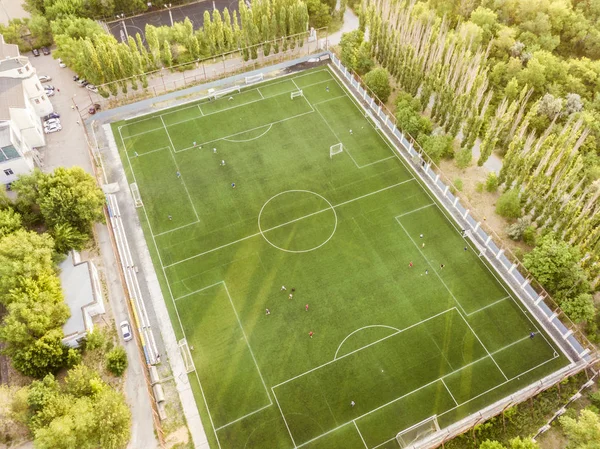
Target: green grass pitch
403,343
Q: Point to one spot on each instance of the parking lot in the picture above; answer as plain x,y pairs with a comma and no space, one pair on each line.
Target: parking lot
67,147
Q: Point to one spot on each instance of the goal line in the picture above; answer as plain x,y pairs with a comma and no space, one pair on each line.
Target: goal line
186,355
417,431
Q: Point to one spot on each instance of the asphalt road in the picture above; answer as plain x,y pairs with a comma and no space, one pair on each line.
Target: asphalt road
195,11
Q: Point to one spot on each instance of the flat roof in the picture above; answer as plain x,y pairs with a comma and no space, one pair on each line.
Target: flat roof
77,287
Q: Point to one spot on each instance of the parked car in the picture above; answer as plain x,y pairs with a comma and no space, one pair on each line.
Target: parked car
51,116
82,82
61,64
54,127
44,78
92,110
75,77
49,92
92,88
52,121
35,52
46,50
126,330
49,87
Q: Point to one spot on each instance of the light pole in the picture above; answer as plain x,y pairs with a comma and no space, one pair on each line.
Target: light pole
168,6
126,36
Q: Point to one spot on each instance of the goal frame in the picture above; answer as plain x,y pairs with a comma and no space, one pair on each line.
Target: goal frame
335,149
135,194
254,78
295,94
408,437
186,355
219,93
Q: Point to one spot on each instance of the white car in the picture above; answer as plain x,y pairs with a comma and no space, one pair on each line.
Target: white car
92,88
126,330
61,64
49,92
44,78
54,127
52,121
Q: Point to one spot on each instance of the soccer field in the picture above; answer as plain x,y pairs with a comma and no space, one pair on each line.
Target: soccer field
408,321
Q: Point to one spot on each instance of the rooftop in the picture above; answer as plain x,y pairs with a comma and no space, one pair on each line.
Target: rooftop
77,286
11,96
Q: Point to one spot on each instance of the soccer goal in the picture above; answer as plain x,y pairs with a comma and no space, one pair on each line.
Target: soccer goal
186,355
335,149
135,193
220,93
254,78
298,93
408,437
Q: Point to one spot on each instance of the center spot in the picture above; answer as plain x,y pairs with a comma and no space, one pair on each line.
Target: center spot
297,221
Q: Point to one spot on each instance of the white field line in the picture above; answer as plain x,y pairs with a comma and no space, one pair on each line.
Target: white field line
329,99
210,113
430,266
296,84
184,185
449,392
362,328
248,140
427,385
284,420
489,305
346,150
285,224
212,424
247,344
323,434
414,210
151,151
177,228
362,347
261,95
361,437
245,416
481,343
397,152
168,135
243,132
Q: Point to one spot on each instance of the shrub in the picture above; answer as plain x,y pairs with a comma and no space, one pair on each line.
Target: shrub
378,80
479,187
116,361
530,235
463,159
516,230
509,204
94,340
458,183
491,183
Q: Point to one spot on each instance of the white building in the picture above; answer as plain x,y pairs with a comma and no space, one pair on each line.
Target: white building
23,102
83,294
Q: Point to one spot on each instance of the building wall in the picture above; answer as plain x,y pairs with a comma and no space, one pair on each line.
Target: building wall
30,127
18,167
36,96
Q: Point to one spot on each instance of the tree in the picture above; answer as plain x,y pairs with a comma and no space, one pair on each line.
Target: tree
583,433
509,204
378,80
555,264
364,63
515,443
579,308
350,44
491,182
24,255
319,13
436,147
45,355
116,361
10,221
40,30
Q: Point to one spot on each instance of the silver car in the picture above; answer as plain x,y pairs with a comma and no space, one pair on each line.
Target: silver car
126,330
52,128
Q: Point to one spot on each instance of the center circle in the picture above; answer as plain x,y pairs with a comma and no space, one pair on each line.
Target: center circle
290,208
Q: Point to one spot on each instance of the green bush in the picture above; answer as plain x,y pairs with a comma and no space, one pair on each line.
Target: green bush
479,187
94,340
530,235
458,183
378,80
116,361
73,358
491,183
595,398
509,204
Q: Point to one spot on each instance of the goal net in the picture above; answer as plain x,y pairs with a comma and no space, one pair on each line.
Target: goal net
254,78
297,94
220,93
135,193
335,149
408,437
186,355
